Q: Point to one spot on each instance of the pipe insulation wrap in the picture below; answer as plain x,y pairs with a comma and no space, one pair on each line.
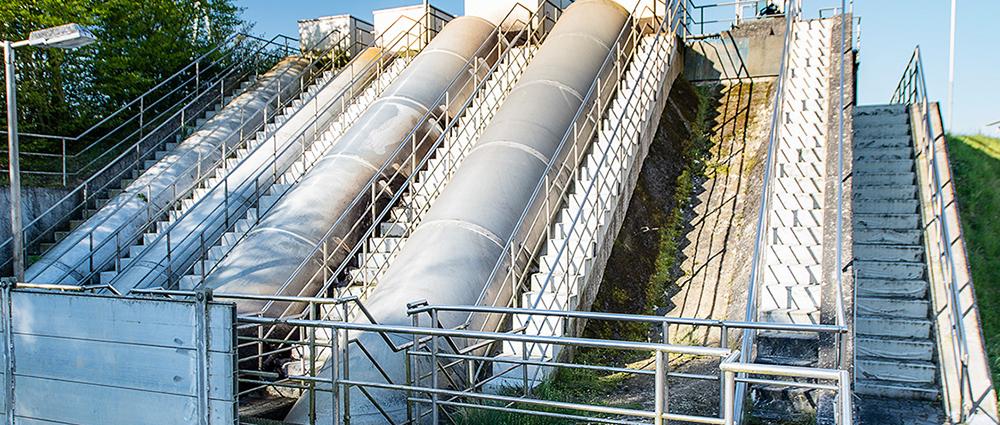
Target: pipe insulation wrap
206,220
273,250
125,213
450,255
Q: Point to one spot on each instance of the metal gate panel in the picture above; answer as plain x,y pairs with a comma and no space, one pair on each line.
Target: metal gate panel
88,359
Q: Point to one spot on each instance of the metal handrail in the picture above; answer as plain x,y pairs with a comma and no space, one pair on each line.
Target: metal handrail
763,218
200,76
441,389
315,67
267,172
912,91
99,183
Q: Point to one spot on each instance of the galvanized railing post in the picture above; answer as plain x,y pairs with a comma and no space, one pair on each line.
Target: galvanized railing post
6,306
63,157
335,377
202,299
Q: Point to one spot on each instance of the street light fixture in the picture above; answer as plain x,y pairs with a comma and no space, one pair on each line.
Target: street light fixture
67,36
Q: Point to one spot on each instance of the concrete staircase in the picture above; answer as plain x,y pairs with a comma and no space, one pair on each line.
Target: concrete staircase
581,228
382,247
287,179
792,263
894,332
139,168
185,201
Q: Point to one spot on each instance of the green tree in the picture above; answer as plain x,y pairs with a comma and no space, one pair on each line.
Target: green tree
140,43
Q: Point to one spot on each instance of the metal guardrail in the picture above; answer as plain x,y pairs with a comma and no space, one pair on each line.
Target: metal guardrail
442,375
124,128
151,136
247,129
794,14
708,19
912,91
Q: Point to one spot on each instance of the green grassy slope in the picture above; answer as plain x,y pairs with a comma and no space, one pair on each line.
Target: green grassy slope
975,162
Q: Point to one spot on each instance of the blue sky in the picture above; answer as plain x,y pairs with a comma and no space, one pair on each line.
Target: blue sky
889,31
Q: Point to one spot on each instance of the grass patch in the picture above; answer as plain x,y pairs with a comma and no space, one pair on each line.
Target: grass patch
975,162
569,385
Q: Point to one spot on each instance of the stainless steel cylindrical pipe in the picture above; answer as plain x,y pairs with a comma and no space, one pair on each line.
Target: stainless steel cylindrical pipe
286,237
206,220
449,257
116,224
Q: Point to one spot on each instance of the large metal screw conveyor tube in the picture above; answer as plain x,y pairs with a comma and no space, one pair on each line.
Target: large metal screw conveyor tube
206,220
67,262
285,238
451,254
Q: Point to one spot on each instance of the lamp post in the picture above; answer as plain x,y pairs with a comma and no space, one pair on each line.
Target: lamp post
67,36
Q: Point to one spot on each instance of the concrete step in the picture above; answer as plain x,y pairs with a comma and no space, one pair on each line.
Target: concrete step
790,316
890,270
893,307
909,372
895,390
861,142
782,404
895,348
883,166
888,236
890,206
788,344
800,297
886,221
907,253
795,254
895,288
885,192
879,179
890,327
862,111
896,130
883,153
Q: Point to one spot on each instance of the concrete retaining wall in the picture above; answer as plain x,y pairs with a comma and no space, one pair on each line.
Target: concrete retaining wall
752,49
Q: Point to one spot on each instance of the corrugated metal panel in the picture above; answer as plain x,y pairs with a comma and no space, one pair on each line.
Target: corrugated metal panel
85,359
